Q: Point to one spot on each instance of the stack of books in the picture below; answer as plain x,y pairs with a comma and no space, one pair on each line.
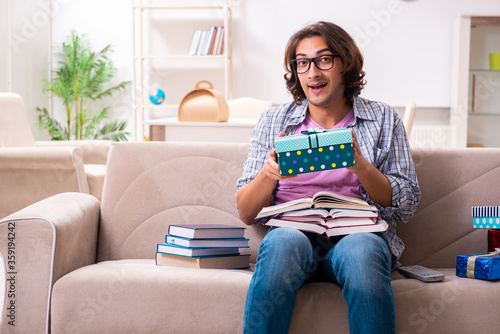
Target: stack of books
326,213
203,246
207,42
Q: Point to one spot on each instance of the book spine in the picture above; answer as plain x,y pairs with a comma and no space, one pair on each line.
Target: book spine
201,44
195,42
486,211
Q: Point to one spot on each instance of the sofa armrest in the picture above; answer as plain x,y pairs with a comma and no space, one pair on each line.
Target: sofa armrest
40,244
30,174
94,151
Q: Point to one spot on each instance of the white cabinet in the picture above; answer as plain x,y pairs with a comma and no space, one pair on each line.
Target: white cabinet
162,35
475,105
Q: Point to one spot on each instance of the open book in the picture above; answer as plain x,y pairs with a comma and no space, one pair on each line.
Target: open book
322,199
332,218
330,231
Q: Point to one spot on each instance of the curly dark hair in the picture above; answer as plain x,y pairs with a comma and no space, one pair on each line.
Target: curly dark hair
339,42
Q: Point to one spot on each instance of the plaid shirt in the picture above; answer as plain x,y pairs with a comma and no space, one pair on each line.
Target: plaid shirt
383,141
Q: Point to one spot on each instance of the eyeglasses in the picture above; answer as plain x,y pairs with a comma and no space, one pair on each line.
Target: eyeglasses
323,63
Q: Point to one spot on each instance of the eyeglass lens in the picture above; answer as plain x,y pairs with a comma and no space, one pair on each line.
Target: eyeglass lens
324,62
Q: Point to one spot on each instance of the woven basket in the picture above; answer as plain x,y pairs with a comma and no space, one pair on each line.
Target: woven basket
203,105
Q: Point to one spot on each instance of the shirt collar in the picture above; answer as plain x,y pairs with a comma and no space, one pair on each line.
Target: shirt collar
362,110
299,113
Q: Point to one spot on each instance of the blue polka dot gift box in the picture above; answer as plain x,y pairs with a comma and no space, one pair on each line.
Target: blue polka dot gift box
480,266
486,217
314,151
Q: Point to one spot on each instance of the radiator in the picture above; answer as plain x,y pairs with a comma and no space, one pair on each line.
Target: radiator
429,136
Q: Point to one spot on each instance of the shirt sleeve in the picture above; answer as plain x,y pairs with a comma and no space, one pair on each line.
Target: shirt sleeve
257,153
395,162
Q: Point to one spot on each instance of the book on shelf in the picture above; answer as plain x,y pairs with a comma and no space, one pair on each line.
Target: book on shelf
322,199
207,42
201,42
195,42
329,231
189,251
239,261
206,231
219,38
200,243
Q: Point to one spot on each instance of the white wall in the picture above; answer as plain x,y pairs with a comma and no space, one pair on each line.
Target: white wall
28,57
406,44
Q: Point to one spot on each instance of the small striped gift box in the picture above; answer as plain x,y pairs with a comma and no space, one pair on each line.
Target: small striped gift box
486,217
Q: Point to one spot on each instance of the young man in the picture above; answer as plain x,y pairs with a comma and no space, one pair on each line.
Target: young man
324,75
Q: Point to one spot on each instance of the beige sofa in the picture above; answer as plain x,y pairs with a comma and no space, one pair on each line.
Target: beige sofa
82,267
33,170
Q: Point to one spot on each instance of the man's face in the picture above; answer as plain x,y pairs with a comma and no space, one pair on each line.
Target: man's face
323,88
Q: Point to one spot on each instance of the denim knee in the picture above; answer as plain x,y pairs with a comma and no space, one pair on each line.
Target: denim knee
284,253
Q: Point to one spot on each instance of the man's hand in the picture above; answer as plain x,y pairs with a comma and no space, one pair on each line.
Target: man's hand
375,183
253,196
272,167
361,164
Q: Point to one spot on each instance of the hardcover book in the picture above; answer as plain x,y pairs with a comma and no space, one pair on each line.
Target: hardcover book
197,243
186,251
322,199
206,231
379,226
240,261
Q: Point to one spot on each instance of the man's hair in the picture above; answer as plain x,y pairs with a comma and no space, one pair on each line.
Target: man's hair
340,43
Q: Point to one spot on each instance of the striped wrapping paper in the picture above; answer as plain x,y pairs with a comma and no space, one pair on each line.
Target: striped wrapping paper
486,211
486,217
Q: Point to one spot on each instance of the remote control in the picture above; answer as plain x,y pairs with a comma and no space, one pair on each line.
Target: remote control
421,273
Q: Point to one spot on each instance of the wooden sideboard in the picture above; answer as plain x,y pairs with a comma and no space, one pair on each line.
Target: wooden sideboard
170,129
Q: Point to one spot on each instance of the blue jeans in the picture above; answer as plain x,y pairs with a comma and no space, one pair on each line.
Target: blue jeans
360,263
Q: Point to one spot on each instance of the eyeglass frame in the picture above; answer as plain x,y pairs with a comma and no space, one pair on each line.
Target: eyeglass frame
313,60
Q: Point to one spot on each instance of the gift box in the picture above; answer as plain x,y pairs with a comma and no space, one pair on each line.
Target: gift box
314,150
486,217
493,240
482,266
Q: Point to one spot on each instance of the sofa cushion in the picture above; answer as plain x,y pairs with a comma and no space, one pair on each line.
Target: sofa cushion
136,296
95,178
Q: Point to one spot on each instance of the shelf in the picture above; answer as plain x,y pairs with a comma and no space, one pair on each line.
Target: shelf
485,71
154,65
180,7
159,106
493,114
181,57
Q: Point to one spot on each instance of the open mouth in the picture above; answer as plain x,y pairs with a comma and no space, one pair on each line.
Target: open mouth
316,88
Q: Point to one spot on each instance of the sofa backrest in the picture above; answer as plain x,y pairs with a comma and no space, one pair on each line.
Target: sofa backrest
152,185
15,130
451,181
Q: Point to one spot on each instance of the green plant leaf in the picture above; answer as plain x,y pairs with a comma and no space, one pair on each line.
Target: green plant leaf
56,131
114,131
82,77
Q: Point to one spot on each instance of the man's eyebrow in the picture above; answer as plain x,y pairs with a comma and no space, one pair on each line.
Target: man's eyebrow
317,52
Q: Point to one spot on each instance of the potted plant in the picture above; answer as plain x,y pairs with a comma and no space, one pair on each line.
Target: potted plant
80,79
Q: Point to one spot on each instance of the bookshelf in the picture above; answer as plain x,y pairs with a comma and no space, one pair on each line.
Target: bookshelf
475,103
162,35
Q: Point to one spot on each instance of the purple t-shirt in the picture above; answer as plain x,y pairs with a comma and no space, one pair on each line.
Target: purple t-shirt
338,180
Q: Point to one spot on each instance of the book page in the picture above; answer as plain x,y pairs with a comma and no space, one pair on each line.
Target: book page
301,203
326,199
